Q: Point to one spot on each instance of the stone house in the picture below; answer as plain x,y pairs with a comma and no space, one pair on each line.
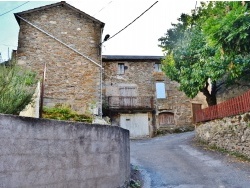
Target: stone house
139,97
131,90
68,41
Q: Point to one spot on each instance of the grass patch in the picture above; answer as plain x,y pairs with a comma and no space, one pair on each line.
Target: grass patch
235,154
232,153
135,178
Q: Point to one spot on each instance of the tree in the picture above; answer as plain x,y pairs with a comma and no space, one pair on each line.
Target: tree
16,88
195,52
228,28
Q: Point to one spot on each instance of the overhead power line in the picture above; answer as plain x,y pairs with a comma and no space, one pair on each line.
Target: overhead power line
130,23
103,8
14,8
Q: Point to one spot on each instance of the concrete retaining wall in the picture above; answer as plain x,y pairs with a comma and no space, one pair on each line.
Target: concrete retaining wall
47,153
231,133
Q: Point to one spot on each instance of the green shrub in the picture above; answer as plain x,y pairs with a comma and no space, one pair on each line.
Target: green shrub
64,112
17,87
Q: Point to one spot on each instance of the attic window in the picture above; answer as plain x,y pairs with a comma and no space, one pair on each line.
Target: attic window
121,68
157,67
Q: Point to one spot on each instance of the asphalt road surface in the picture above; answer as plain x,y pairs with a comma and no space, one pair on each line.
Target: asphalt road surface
174,161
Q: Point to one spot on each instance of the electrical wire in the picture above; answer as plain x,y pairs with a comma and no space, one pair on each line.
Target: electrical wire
103,8
14,8
130,22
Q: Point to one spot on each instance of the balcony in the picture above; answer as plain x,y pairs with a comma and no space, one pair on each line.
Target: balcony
130,103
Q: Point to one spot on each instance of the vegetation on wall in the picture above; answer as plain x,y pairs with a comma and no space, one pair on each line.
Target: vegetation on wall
17,87
64,112
210,45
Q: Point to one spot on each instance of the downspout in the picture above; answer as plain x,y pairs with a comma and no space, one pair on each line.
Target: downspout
101,69
101,81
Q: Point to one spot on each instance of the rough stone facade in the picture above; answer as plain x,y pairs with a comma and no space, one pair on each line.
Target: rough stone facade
230,133
73,79
137,73
176,102
70,77
140,73
48,153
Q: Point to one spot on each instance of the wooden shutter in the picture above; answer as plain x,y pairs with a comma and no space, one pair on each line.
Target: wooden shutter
128,96
166,119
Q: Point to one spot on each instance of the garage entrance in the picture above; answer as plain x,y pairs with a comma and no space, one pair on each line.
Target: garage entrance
137,124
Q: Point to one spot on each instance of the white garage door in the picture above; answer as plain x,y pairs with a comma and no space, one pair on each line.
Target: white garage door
137,124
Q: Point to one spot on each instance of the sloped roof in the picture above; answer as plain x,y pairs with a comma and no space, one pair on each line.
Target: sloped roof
62,3
130,57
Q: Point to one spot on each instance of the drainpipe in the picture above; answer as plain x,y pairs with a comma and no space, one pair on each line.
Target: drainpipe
101,69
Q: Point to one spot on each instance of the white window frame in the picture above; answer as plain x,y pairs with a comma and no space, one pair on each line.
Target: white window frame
160,88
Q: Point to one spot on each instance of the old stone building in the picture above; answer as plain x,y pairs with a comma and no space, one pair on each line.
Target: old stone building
68,41
139,97
132,90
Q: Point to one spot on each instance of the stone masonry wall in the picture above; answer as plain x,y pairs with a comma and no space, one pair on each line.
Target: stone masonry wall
141,74
231,133
176,102
48,153
70,78
137,73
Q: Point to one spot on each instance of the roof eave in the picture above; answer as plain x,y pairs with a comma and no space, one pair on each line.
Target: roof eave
57,4
130,57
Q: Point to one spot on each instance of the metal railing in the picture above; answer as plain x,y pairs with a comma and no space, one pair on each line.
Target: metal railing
234,106
133,102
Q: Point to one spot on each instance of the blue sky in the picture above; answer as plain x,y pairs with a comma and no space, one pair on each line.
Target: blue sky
8,25
141,38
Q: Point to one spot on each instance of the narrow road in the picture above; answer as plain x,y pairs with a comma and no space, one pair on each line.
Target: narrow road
172,161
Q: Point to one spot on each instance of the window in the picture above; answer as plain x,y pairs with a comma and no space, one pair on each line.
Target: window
157,67
160,90
121,69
